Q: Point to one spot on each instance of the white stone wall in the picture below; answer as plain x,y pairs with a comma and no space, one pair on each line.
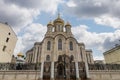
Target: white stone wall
19,75
34,75
105,74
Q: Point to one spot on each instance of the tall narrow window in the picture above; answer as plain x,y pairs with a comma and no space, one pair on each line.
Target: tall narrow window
59,44
48,45
48,58
71,46
7,39
4,47
9,33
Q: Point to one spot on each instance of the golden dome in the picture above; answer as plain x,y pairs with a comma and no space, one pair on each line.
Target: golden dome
50,23
59,20
68,24
20,54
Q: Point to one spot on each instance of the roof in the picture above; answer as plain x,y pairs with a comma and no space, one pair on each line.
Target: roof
58,20
67,24
112,50
20,54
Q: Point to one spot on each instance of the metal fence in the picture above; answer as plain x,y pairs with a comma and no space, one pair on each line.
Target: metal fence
20,66
37,66
104,66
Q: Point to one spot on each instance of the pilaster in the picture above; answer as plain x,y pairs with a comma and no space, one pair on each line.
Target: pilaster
52,71
87,69
41,72
77,71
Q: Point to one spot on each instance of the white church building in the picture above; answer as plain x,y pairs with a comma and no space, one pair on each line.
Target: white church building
59,50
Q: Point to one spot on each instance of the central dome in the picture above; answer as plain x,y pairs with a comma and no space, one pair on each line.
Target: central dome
58,20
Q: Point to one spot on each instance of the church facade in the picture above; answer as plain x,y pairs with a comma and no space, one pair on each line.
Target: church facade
59,52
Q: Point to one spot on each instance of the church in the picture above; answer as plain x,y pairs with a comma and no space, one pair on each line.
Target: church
61,56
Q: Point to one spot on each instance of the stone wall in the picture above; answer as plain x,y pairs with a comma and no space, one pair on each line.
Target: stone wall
19,75
34,75
105,74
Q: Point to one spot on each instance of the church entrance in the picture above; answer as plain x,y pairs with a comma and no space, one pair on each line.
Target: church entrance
61,74
60,70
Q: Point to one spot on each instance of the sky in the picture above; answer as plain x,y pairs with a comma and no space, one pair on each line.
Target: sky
94,22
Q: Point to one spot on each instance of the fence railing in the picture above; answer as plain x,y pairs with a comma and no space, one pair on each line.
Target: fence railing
20,66
104,66
37,66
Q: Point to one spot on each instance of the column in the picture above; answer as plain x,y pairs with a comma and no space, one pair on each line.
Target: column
41,72
52,70
33,55
87,69
36,52
77,71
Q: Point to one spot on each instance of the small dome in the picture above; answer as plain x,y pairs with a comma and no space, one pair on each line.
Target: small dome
50,23
20,54
59,20
68,24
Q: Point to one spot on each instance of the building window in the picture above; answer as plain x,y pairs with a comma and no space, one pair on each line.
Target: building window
48,45
48,58
7,39
4,47
71,46
9,33
59,44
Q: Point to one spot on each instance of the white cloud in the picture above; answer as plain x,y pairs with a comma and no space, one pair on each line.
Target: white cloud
20,13
96,41
98,58
105,12
42,5
71,4
108,20
16,16
32,33
93,8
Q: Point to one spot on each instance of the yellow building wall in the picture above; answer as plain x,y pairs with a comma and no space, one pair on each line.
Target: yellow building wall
113,56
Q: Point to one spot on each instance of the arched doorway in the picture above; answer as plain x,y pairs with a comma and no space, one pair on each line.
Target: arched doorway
60,71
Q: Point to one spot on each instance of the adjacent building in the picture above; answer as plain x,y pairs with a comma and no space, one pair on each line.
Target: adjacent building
8,41
112,56
59,53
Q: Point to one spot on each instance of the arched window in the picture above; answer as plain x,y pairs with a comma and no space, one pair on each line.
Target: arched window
48,45
48,58
71,46
59,44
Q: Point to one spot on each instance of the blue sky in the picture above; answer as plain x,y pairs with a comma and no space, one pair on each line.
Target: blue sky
94,22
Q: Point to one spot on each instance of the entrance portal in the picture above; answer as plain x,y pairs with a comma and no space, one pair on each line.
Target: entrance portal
60,70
